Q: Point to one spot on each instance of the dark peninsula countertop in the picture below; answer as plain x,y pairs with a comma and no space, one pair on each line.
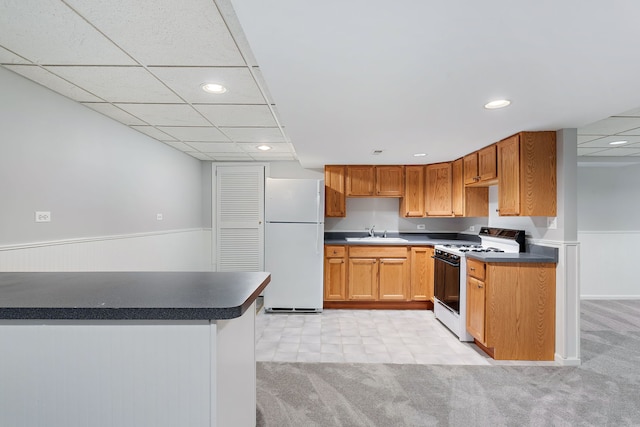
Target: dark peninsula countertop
129,295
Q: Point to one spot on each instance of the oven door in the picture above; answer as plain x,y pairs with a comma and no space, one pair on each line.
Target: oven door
446,282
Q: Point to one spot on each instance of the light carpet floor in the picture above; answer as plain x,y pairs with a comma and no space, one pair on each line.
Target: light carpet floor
603,391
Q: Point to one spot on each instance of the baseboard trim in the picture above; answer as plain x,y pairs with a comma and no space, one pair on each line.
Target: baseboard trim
566,362
375,305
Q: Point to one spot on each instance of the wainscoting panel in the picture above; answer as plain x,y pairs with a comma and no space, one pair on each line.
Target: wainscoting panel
174,250
607,264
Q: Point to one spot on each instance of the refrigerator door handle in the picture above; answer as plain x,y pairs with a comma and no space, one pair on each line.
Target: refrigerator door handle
318,205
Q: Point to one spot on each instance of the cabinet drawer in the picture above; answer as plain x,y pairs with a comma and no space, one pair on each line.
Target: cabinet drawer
378,252
475,269
335,251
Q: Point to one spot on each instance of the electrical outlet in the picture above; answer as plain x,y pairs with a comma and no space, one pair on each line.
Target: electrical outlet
472,228
421,226
43,216
552,222
159,217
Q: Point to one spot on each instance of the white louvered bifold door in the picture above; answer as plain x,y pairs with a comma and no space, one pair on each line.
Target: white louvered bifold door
240,218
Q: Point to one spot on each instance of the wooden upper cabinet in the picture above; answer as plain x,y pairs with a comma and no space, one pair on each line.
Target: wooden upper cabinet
412,204
470,168
360,181
488,165
481,167
438,199
389,181
467,201
334,191
527,174
375,181
457,187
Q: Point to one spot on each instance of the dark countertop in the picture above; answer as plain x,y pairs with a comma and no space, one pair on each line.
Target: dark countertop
533,253
523,257
339,238
129,295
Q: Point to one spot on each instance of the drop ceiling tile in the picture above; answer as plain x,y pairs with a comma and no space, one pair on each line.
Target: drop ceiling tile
230,157
611,125
632,132
179,145
200,134
32,29
187,82
254,134
631,113
8,57
586,138
215,147
272,156
276,147
238,115
618,152
153,133
118,84
53,82
200,156
164,32
166,114
588,151
231,19
605,141
114,112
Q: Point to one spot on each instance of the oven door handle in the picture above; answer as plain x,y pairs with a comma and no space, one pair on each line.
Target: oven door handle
446,262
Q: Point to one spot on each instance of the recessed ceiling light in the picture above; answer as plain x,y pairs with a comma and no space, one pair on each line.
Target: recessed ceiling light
419,154
498,103
264,147
618,142
213,88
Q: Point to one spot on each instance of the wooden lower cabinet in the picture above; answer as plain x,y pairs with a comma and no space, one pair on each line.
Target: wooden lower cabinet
363,279
421,273
335,273
378,277
511,309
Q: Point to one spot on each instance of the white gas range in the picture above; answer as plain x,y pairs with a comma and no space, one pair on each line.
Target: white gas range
450,274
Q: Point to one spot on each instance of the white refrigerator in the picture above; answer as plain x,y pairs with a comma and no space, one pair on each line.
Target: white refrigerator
294,244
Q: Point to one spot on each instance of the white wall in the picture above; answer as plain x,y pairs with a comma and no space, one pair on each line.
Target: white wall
97,177
608,202
362,213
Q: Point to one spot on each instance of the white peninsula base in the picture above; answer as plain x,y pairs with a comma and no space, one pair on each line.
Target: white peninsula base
137,373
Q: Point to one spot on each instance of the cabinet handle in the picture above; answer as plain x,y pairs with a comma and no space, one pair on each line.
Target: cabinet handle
472,268
479,285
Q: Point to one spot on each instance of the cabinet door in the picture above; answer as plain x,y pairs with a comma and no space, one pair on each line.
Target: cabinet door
360,181
363,279
470,168
439,190
335,279
457,188
389,181
335,273
509,176
394,279
413,204
421,274
487,164
334,191
476,308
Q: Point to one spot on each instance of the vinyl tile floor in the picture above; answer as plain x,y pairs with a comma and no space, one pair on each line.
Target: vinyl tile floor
365,336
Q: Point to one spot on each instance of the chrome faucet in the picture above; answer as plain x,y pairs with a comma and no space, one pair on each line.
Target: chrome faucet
371,233
384,234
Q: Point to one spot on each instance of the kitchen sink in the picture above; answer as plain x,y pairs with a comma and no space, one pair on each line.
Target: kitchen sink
377,240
